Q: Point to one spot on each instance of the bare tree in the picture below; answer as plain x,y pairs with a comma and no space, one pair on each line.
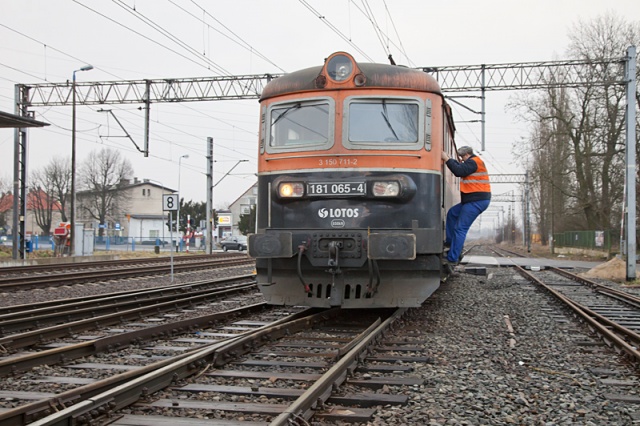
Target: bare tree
50,192
598,142
5,185
41,201
99,176
58,172
577,147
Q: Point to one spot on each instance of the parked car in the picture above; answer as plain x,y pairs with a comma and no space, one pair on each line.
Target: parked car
234,243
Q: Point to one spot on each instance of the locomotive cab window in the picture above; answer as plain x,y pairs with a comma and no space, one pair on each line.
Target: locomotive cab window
300,125
387,123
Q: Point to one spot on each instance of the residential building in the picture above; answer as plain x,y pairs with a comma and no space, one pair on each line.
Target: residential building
228,219
138,215
34,199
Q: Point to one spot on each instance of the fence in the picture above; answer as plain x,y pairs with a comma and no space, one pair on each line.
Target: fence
592,240
114,243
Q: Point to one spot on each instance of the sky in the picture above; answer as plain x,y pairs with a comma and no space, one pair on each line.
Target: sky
45,41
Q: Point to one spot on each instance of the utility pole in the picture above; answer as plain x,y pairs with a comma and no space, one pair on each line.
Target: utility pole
630,177
210,217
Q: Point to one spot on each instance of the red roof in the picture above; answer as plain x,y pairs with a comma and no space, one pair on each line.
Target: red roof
6,201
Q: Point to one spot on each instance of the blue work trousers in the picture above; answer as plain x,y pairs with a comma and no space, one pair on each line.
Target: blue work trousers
459,219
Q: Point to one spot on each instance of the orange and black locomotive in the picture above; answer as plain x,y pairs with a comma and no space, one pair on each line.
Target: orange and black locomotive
352,192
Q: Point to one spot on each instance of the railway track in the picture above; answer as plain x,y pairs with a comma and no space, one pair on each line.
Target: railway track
612,314
295,373
247,369
37,326
99,264
75,371
77,273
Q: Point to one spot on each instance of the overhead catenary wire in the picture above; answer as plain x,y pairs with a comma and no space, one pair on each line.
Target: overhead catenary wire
360,9
79,60
335,29
393,24
166,33
54,49
240,41
143,36
376,28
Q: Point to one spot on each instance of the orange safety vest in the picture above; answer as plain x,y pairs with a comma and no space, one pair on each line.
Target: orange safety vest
478,181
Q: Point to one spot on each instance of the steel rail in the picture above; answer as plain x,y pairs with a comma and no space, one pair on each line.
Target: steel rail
39,336
121,390
595,320
13,365
25,320
28,283
104,263
320,391
612,292
76,302
105,404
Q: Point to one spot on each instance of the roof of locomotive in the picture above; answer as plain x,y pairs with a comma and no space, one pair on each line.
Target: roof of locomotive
377,76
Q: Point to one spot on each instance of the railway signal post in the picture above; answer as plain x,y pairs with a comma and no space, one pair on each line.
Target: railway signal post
170,204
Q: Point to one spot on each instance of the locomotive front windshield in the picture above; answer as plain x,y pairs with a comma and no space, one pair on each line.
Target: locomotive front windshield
383,122
300,125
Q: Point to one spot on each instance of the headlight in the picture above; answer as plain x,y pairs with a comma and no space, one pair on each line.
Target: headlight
386,189
290,189
340,67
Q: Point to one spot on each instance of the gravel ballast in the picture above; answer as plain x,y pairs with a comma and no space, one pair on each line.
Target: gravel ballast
547,372
500,352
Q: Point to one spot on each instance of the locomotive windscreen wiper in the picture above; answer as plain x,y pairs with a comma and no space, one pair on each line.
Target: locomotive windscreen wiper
386,119
285,112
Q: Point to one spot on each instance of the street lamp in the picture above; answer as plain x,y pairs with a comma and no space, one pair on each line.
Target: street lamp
73,158
179,165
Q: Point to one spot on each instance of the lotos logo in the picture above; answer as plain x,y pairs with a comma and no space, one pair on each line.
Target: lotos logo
338,213
337,223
